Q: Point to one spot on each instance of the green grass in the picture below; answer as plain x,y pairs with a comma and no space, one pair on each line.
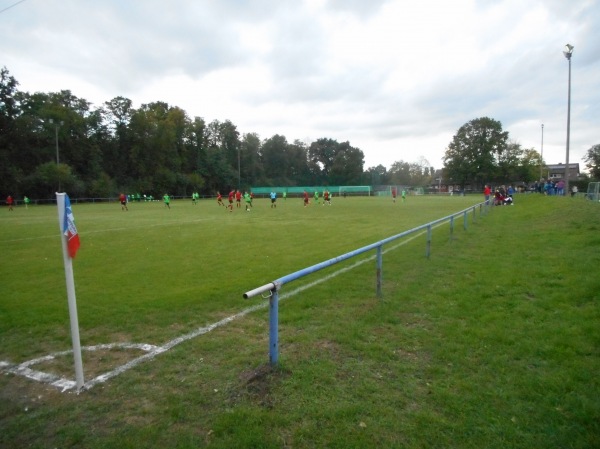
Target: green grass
491,342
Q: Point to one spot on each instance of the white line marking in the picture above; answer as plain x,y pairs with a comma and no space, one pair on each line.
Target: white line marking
152,350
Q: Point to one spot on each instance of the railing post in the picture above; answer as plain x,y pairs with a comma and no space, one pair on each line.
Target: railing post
379,269
428,250
451,227
474,214
274,327
465,220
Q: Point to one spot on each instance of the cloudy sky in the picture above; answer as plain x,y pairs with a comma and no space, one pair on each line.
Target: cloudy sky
395,78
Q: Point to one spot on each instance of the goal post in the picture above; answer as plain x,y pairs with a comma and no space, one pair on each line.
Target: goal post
593,191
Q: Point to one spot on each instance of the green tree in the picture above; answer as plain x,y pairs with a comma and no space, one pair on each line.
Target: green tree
43,182
297,170
251,169
592,159
347,165
10,173
274,153
331,162
221,174
510,164
375,176
471,157
531,165
400,173
117,114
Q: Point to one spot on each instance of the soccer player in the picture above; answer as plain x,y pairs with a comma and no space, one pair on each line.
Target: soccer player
220,199
284,195
394,194
26,201
326,198
316,197
238,199
123,201
230,199
273,196
9,202
248,200
305,195
167,200
403,195
487,191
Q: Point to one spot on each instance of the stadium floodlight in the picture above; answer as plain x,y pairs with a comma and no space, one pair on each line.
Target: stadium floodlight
568,52
56,125
542,155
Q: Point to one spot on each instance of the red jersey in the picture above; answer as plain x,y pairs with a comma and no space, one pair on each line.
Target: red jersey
238,195
231,195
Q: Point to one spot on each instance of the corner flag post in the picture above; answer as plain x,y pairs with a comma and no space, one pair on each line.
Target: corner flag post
68,262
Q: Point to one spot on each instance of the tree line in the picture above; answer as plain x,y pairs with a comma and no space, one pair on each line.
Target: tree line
56,139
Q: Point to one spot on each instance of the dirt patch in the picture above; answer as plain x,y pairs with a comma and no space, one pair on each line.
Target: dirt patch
257,384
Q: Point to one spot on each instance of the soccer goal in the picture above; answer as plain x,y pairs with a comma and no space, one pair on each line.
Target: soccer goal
593,192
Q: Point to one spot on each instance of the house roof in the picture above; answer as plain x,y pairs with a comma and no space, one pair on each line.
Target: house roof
562,166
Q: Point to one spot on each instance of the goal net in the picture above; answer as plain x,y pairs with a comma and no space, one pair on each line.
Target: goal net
593,192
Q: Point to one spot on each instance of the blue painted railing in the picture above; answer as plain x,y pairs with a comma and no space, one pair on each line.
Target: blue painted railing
273,287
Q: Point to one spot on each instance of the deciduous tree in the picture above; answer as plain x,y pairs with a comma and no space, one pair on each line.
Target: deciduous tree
471,157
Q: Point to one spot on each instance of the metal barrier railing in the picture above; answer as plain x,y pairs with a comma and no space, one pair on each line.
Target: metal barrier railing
273,287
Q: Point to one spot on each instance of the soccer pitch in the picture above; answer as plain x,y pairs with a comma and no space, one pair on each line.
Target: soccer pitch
492,342
150,274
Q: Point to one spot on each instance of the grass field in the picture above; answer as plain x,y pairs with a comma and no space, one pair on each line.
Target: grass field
492,342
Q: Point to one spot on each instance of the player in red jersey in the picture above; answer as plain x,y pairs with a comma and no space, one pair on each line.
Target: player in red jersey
220,199
238,199
230,199
305,196
123,201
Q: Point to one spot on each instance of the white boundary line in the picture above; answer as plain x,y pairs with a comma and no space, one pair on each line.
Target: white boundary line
64,384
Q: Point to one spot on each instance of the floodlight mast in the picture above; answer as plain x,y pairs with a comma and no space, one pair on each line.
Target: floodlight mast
568,52
56,125
542,156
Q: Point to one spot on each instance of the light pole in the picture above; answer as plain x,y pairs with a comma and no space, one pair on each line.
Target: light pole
568,52
56,125
239,170
542,155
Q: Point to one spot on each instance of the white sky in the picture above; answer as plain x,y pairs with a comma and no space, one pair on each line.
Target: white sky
395,78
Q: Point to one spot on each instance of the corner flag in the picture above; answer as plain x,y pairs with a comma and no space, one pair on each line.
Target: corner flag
69,229
70,245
